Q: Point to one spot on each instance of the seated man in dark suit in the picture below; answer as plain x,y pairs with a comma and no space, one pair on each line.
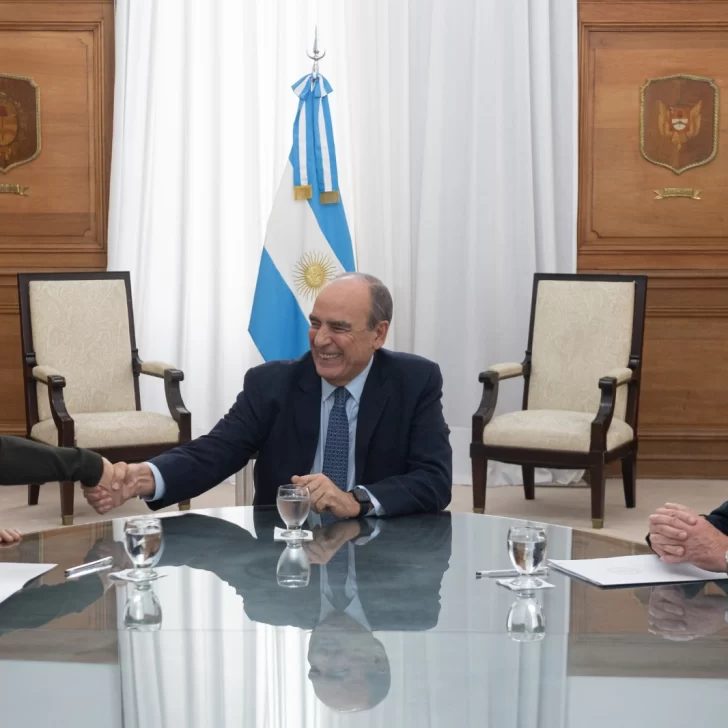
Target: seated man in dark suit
361,426
678,534
364,582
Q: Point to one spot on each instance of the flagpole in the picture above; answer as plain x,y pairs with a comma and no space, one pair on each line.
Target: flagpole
316,55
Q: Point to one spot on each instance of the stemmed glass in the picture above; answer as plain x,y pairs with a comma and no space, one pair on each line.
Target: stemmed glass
294,503
526,620
143,542
142,611
527,550
294,569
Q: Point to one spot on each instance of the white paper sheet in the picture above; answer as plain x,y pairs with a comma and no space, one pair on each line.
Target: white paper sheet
15,576
633,571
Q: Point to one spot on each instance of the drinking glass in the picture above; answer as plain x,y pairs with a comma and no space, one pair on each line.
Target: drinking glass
142,611
293,568
526,620
143,540
527,550
294,503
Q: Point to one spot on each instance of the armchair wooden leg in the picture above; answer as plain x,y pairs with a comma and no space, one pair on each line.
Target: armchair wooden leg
184,505
629,479
67,493
33,494
480,478
529,481
597,495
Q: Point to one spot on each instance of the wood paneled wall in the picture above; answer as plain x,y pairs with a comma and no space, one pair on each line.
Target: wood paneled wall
67,47
681,243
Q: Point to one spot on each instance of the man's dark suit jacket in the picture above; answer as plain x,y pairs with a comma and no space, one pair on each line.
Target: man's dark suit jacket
403,455
719,518
398,574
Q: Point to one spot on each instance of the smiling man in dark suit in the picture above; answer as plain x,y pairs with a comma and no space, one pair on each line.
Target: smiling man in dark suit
361,426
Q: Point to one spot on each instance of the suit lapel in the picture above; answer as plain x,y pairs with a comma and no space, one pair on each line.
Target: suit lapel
307,413
373,399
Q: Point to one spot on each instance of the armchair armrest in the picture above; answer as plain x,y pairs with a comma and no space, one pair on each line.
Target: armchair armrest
621,374
55,382
43,373
507,370
172,377
158,368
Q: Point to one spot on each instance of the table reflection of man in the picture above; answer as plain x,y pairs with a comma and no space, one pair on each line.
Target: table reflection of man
363,580
682,613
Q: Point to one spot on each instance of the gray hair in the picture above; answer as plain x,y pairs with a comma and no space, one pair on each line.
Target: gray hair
382,304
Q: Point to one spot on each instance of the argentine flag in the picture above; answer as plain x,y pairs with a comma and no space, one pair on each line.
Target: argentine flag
307,241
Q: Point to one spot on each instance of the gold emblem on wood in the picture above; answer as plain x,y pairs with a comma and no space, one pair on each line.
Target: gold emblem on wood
679,121
20,140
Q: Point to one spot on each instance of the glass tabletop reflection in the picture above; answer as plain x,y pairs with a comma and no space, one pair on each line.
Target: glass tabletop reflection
371,623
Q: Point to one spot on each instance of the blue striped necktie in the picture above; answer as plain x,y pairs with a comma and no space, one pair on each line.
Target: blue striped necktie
336,450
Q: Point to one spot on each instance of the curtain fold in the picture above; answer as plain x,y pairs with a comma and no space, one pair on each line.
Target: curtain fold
456,130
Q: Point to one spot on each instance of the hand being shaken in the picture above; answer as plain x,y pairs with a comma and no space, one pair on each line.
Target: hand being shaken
119,483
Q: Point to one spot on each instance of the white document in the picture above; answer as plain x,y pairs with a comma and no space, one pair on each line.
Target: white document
633,571
15,576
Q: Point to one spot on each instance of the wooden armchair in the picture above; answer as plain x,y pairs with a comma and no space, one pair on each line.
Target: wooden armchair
581,387
81,370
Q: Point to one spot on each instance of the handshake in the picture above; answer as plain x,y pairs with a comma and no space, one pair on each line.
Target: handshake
119,482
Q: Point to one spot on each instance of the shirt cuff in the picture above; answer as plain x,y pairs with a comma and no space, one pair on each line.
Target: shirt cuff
378,510
159,486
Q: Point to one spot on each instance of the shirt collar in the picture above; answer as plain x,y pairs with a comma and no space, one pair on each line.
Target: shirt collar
355,387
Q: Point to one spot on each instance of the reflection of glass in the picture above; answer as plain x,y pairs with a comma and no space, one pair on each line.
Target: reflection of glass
142,611
293,569
294,502
526,621
527,549
143,542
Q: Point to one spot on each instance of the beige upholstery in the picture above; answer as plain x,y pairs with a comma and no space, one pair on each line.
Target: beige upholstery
621,374
81,329
113,429
42,373
156,368
507,370
582,329
551,430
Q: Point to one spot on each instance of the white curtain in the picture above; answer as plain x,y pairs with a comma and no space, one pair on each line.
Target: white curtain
456,133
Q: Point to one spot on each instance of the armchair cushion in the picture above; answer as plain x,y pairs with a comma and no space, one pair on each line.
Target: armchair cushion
96,430
81,328
551,430
581,330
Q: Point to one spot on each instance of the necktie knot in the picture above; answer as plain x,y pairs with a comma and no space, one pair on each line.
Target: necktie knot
341,394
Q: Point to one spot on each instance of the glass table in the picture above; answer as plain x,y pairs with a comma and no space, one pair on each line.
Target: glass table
391,629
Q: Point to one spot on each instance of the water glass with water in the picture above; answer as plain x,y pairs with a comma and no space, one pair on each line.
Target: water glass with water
294,569
142,611
527,550
143,540
526,620
294,503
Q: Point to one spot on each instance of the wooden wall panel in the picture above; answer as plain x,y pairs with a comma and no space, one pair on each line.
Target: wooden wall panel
681,243
67,47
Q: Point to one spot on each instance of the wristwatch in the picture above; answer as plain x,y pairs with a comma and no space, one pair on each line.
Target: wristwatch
362,498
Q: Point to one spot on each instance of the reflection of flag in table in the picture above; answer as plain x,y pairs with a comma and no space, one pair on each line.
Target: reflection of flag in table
307,241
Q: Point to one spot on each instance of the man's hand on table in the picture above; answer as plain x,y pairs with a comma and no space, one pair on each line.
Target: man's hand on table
327,497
